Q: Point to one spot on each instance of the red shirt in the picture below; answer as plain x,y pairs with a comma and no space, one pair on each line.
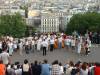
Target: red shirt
2,69
97,70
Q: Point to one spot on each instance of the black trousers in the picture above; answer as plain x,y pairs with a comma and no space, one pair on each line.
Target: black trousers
33,48
86,51
44,51
27,49
51,47
0,50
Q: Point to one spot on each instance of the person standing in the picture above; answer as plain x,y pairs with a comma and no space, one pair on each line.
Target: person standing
5,57
25,68
15,45
44,46
4,45
11,70
67,42
55,69
47,40
51,44
45,68
18,71
73,43
36,68
97,69
89,45
86,47
27,46
39,44
84,69
20,47
79,47
61,69
33,45
10,47
36,39
56,43
60,42
0,46
35,42
63,44
70,67
2,68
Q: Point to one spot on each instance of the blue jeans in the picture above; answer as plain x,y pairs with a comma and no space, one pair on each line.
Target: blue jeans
59,45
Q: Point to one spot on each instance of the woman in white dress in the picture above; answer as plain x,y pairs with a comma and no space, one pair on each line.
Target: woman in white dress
39,41
33,45
89,45
73,41
47,40
68,42
15,45
79,47
10,46
20,47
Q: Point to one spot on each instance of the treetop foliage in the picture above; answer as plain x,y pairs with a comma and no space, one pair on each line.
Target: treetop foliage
13,25
83,22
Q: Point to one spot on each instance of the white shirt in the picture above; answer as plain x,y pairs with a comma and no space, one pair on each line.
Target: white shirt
44,37
39,41
4,57
84,72
44,43
18,72
10,45
51,41
68,70
26,43
61,70
72,42
33,42
25,67
36,38
68,41
60,39
20,45
11,38
15,45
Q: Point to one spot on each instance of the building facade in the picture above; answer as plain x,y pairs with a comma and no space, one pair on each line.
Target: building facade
49,23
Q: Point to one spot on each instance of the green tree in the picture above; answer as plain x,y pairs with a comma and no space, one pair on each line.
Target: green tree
25,7
83,22
13,25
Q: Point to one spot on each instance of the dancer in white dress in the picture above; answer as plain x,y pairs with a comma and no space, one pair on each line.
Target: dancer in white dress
20,47
79,47
73,41
10,46
39,41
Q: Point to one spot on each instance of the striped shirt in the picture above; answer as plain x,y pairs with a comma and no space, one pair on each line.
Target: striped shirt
55,70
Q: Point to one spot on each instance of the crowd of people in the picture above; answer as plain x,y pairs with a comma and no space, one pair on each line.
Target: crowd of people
45,42
44,68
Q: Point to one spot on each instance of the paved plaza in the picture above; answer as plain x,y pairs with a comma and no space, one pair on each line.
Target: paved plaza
63,55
